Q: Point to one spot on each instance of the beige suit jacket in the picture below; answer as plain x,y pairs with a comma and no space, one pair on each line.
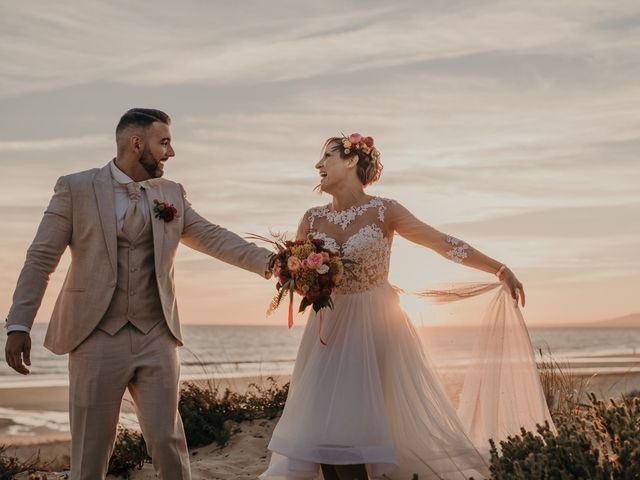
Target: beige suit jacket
81,215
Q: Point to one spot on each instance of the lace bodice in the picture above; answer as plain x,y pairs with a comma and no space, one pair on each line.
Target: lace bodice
356,234
346,217
370,251
364,233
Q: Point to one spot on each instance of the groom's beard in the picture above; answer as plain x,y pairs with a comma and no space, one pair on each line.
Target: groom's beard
150,164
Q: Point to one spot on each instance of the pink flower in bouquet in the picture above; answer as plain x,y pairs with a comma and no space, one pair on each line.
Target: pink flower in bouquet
355,138
314,260
294,264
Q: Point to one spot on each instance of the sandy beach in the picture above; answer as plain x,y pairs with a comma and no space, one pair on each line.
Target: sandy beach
246,455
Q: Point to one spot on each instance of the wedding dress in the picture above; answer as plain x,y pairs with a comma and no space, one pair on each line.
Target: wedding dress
368,393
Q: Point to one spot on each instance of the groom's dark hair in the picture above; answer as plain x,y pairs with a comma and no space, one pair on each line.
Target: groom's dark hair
141,117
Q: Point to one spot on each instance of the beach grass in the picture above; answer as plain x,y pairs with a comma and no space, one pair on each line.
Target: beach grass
11,466
564,390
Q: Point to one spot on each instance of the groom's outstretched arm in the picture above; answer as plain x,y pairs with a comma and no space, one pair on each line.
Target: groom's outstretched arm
202,235
51,240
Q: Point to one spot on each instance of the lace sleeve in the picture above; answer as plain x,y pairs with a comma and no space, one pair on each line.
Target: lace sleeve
408,226
304,226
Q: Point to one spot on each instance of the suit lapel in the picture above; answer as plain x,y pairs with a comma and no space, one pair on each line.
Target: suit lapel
103,187
153,192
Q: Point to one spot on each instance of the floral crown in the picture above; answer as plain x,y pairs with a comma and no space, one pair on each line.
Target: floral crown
362,146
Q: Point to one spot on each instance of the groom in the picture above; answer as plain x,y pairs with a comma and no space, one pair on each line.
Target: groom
116,315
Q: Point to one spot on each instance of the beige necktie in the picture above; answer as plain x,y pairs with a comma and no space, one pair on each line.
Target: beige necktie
133,218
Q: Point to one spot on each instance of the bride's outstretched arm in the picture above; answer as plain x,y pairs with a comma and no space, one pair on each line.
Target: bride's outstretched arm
411,228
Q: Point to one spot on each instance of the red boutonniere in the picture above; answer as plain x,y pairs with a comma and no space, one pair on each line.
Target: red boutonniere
165,211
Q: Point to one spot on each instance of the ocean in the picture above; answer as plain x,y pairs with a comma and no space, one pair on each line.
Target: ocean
237,351
222,351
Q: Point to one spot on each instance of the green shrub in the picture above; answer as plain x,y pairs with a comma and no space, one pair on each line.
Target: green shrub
129,453
569,455
202,416
11,466
603,443
206,413
616,426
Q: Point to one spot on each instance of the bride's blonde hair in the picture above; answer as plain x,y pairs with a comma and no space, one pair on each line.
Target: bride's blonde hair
369,167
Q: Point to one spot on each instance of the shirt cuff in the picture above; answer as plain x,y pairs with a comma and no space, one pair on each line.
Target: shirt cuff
17,328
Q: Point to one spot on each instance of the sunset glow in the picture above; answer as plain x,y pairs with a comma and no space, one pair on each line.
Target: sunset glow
515,129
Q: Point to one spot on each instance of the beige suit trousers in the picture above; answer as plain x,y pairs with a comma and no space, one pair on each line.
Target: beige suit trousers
100,369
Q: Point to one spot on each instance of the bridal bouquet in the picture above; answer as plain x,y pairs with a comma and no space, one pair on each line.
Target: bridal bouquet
307,268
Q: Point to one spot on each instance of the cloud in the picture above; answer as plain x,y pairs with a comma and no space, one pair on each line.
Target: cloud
515,126
566,223
87,141
209,44
617,24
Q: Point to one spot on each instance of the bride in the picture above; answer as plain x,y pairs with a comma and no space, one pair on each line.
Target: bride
365,401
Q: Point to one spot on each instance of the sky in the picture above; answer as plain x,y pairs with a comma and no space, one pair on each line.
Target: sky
511,125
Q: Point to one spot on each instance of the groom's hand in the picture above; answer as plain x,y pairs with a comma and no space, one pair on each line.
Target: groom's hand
274,266
17,351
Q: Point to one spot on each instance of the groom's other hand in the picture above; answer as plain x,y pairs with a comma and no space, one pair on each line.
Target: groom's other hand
17,351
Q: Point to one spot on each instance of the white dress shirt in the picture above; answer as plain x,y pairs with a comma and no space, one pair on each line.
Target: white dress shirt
121,195
121,201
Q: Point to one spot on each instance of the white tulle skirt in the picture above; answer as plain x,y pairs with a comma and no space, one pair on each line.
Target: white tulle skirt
369,396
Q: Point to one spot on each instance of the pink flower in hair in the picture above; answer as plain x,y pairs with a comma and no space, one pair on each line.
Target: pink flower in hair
368,141
355,138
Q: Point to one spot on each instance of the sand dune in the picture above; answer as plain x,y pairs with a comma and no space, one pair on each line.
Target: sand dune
244,457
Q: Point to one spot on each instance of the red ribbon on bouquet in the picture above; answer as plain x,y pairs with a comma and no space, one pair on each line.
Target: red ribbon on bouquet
290,321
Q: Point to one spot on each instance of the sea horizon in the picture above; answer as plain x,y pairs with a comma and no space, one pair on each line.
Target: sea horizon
231,351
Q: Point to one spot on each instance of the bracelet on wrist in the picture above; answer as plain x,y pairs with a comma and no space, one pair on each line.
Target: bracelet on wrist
502,268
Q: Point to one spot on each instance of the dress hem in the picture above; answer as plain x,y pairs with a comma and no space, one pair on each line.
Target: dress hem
334,454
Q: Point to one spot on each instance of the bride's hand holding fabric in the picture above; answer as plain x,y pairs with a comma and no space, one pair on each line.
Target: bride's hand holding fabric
514,285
